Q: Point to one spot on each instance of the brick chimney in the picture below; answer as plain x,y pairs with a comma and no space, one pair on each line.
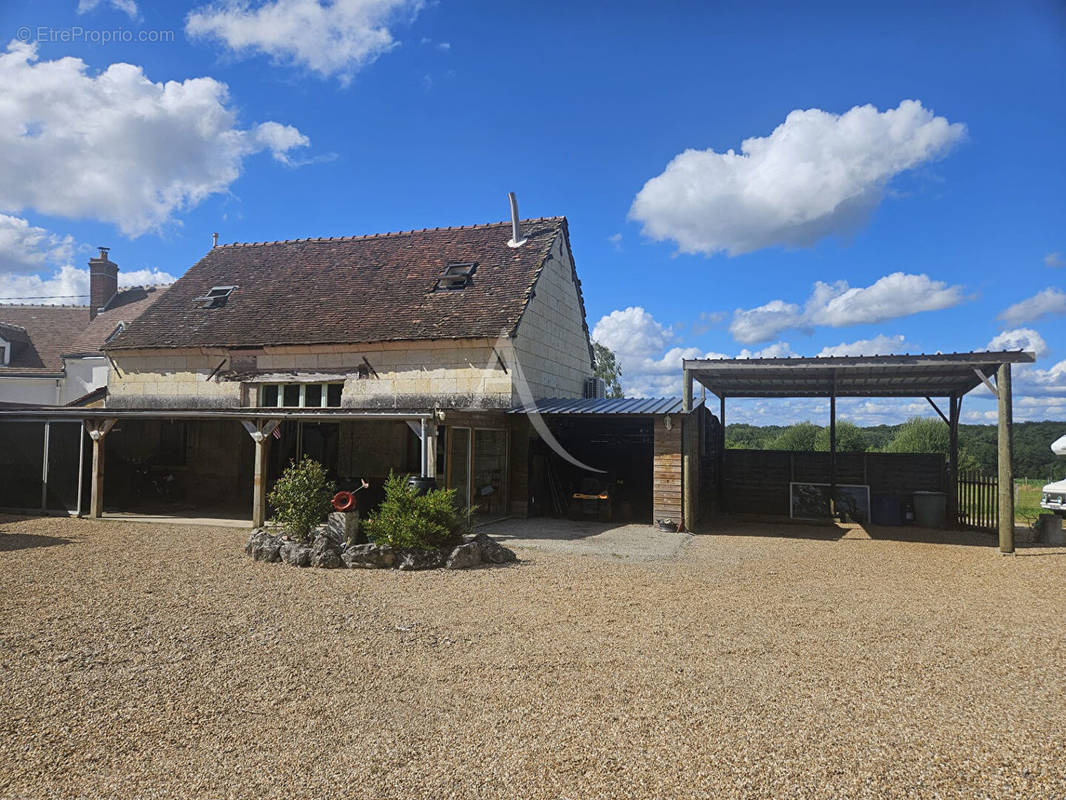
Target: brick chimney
103,282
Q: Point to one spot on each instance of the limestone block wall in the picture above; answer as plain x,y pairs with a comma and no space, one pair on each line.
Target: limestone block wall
402,375
170,379
552,346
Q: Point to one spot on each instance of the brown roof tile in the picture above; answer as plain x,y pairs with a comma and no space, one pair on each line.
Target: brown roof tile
49,330
351,290
42,335
126,306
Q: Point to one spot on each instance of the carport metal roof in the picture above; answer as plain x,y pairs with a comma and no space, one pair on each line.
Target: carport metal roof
922,375
626,406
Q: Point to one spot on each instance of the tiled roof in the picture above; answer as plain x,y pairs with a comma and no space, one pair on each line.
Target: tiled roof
127,305
351,290
48,332
42,335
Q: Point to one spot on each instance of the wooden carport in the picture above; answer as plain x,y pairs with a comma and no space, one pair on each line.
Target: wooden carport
929,376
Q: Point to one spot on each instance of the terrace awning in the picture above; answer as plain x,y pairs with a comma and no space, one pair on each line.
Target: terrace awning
927,375
924,375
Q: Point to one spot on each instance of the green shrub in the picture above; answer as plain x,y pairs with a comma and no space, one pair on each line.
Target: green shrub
301,497
407,519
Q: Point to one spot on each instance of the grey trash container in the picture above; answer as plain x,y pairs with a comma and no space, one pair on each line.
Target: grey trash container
930,509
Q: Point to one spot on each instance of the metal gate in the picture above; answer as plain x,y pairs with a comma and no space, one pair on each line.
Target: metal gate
978,501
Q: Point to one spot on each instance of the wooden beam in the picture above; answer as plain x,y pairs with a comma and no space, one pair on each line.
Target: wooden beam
987,382
721,453
1006,453
936,408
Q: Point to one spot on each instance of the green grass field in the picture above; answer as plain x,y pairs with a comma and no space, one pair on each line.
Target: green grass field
1027,501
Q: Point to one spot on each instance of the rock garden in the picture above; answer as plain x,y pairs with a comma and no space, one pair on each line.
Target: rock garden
413,529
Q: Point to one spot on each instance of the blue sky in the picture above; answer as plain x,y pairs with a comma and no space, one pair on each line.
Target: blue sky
924,167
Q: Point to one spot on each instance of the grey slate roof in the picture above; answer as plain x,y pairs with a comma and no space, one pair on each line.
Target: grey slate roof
631,406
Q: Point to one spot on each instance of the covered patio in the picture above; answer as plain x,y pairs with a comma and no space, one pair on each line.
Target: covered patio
81,466
940,376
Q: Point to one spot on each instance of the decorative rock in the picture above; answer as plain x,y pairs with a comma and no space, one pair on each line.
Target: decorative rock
262,546
296,554
343,526
492,552
325,552
464,556
369,556
421,559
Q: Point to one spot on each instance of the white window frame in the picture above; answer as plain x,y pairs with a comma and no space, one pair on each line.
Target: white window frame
5,352
323,403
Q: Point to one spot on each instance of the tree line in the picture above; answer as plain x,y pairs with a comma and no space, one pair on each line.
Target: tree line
977,443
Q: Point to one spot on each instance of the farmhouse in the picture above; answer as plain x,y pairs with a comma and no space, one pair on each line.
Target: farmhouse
408,351
460,354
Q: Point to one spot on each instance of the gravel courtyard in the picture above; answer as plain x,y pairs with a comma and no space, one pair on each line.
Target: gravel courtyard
143,661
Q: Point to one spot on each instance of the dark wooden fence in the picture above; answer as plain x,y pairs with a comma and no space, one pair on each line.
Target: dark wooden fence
978,501
757,481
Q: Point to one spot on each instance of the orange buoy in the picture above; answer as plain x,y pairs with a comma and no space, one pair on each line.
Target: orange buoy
344,501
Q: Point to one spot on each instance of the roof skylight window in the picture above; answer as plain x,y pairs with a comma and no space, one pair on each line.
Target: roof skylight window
215,298
457,276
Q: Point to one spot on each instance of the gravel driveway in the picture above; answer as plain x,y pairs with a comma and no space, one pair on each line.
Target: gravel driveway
142,661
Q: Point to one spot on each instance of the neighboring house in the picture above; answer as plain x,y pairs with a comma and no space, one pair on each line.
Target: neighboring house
50,355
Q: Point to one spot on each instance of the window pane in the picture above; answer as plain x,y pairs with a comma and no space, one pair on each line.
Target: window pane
313,395
292,395
270,396
333,395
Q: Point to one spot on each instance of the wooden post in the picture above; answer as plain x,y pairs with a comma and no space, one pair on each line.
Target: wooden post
260,433
832,454
259,483
689,457
954,409
97,432
1006,452
721,453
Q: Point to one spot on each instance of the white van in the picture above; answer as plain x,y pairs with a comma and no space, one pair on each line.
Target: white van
1053,496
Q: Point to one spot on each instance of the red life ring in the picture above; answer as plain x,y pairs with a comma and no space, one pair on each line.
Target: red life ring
344,501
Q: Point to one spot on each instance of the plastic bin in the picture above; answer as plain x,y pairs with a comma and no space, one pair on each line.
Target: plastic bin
930,509
886,510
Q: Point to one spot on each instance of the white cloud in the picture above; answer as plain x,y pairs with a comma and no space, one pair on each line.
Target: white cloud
817,174
1054,260
838,305
331,38
1049,302
1020,339
639,341
69,285
27,248
129,6
879,345
117,147
775,350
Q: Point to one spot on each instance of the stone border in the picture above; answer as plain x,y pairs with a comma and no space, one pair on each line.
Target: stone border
326,552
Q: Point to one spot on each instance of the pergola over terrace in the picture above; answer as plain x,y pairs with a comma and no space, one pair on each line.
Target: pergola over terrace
929,376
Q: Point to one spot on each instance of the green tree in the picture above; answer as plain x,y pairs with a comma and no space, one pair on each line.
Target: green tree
920,435
800,437
301,497
850,438
928,435
407,518
607,368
